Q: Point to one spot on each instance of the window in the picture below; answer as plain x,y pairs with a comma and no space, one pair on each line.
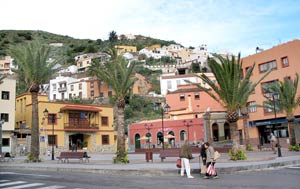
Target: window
92,93
268,107
105,139
251,106
54,96
52,140
101,94
51,117
197,96
5,142
80,86
268,65
109,93
54,87
178,82
72,87
285,61
92,85
267,85
4,116
104,121
169,84
181,97
70,96
5,95
80,94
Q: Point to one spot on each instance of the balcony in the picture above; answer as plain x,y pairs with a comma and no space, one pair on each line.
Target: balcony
62,89
81,127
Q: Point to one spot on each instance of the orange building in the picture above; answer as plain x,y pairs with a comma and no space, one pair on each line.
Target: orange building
284,59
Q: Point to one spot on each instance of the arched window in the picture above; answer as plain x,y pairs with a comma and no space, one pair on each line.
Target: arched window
182,135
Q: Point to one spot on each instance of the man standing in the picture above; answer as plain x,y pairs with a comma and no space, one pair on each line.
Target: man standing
273,142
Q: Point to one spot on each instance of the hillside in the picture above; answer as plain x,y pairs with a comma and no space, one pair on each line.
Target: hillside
72,46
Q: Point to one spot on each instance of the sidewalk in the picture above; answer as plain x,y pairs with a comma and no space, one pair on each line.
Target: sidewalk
102,163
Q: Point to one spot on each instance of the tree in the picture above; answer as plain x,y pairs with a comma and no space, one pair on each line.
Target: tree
117,73
113,37
232,90
34,68
288,101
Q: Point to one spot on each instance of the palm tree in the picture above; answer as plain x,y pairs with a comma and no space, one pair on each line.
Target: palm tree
34,68
232,89
288,101
118,74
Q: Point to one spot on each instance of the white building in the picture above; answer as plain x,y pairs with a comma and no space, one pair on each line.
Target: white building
78,88
6,65
58,87
171,82
7,112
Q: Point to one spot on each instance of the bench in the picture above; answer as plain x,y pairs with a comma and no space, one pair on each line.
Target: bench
173,152
65,156
265,147
6,155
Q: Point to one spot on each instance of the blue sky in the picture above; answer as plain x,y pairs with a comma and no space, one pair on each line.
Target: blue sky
224,25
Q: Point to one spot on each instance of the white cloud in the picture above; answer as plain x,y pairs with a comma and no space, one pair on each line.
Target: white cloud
221,24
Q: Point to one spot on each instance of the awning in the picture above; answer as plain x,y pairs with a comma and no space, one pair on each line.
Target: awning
81,108
267,122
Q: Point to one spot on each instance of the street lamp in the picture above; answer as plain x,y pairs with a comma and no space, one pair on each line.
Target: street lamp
52,119
273,98
148,127
188,124
165,108
1,123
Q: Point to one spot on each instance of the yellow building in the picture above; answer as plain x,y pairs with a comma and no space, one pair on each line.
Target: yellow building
68,125
124,48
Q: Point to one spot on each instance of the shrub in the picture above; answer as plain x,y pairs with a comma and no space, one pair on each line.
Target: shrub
119,159
249,147
294,147
238,155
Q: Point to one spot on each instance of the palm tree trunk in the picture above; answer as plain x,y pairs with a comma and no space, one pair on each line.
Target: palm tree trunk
34,148
234,133
291,132
246,131
121,133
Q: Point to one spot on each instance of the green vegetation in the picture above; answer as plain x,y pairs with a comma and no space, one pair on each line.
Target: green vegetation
237,155
294,147
249,147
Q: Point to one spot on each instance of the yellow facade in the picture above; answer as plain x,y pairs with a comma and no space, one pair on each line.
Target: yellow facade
124,48
85,126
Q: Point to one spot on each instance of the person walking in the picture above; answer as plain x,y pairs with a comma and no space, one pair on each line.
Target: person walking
203,152
185,156
210,160
273,142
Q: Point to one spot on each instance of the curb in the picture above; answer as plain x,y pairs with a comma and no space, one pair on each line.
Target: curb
160,172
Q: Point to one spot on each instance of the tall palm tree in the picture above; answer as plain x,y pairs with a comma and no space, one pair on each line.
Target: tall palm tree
34,68
118,74
232,88
288,101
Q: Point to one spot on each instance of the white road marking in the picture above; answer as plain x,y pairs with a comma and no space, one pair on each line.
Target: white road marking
4,181
25,186
52,187
12,183
13,173
294,167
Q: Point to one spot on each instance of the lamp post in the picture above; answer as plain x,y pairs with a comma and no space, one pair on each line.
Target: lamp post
52,119
148,127
1,123
188,124
165,108
273,98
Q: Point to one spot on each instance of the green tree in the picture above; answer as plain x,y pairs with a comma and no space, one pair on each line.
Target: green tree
117,73
288,101
35,69
113,37
232,89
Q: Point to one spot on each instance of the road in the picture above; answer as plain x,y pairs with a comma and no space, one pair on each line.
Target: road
283,178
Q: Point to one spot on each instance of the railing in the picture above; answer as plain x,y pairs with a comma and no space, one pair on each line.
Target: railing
62,89
81,127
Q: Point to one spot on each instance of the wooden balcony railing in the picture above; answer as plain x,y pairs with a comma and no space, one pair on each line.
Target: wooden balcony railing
81,127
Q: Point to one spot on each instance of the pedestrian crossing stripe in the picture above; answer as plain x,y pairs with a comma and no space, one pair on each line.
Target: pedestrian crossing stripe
8,184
